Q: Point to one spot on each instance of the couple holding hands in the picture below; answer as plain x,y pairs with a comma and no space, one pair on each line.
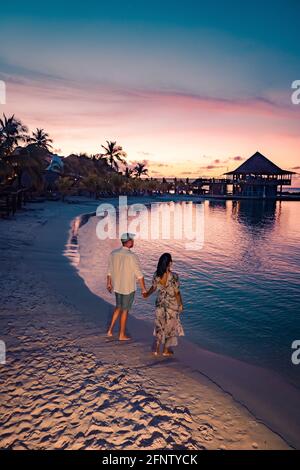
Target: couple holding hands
123,272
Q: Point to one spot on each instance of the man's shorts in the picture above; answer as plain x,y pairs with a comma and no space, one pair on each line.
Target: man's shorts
124,301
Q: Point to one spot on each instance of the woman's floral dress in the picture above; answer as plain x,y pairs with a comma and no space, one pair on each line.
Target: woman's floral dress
167,322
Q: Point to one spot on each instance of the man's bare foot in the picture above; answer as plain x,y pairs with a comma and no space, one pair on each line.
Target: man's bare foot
124,338
109,334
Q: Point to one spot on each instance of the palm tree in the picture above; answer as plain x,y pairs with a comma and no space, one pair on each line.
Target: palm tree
21,162
128,172
135,185
12,132
64,186
41,139
14,162
114,154
93,184
140,169
116,182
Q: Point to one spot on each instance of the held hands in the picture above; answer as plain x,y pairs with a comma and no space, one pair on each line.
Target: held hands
109,287
145,294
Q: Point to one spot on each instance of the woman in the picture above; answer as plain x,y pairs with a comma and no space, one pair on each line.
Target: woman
168,306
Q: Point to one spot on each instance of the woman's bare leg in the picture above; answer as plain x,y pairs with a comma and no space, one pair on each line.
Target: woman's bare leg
167,351
157,348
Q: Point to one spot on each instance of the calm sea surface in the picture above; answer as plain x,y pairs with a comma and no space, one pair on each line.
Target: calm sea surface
241,291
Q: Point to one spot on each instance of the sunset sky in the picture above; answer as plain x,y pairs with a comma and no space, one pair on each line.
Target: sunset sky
191,87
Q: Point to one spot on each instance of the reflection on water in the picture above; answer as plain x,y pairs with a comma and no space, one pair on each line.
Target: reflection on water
252,214
71,247
71,250
241,290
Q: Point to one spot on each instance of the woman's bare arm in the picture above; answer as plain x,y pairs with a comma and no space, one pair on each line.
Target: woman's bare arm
179,300
149,292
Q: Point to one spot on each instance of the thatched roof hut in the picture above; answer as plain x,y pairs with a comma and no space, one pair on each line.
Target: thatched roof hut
259,177
258,164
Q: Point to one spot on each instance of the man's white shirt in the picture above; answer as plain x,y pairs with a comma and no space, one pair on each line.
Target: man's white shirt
124,269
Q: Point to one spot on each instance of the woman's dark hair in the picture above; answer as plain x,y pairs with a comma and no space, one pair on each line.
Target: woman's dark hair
163,264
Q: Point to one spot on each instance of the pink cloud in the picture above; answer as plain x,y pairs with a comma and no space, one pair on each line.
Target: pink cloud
172,128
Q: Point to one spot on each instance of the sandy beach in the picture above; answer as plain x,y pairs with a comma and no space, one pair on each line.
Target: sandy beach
65,385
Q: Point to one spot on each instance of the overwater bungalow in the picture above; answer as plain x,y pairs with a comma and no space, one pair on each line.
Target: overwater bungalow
258,177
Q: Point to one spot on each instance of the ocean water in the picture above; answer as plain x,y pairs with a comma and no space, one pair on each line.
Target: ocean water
291,189
241,290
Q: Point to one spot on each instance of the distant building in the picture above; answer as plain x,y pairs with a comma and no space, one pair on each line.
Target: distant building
56,164
258,177
53,171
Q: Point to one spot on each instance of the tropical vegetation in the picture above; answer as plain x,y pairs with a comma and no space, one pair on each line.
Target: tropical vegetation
25,162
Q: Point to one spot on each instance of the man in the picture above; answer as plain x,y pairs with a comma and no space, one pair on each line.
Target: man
123,272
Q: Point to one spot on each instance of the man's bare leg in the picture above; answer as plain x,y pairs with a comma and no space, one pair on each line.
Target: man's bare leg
123,321
115,317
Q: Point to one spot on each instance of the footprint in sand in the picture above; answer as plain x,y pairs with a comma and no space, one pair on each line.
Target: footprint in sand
207,431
